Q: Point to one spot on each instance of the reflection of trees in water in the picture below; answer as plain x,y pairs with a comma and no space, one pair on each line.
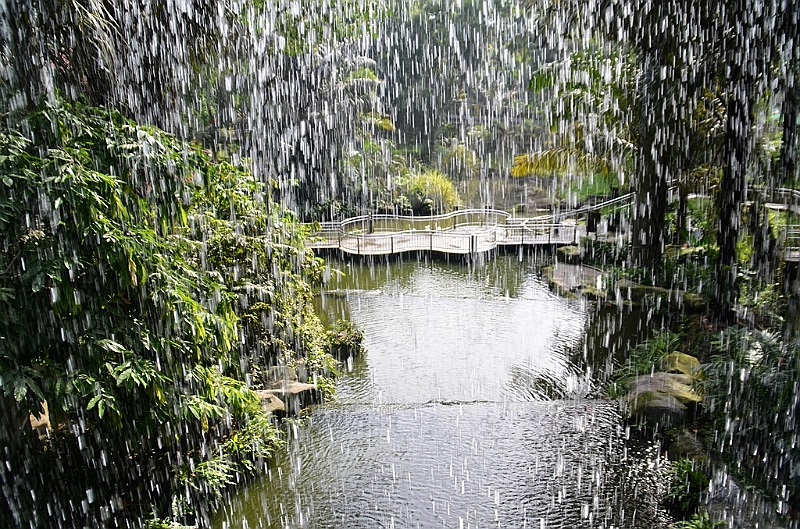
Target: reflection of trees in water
611,332
499,275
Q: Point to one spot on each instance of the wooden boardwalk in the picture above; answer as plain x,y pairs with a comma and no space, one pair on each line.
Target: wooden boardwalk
478,231
463,232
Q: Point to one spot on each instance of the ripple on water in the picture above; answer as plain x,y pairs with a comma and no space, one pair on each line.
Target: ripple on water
479,465
505,437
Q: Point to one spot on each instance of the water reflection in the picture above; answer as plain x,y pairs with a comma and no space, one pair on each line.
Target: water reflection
440,331
469,409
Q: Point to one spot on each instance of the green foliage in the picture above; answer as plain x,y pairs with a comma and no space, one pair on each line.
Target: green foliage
139,284
685,483
345,339
750,390
157,523
361,74
459,161
597,184
644,358
430,193
380,121
703,222
557,161
605,254
698,521
592,93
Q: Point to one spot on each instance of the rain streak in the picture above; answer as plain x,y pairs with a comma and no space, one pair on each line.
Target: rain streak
418,264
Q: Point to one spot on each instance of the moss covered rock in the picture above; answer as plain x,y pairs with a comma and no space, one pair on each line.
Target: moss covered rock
661,399
678,362
569,254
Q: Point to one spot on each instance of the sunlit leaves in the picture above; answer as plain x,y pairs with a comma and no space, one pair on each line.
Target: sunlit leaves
431,192
380,121
557,161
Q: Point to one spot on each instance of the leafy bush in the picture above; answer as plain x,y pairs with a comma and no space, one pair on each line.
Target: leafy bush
430,193
645,356
131,271
345,339
686,482
699,521
751,392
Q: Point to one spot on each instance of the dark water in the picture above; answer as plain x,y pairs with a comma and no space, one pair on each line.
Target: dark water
473,407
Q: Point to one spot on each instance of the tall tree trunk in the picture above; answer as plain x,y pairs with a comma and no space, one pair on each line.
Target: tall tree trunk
788,160
681,230
650,185
732,191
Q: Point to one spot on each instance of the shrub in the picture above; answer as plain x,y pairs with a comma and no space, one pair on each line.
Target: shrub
345,339
751,390
686,481
430,193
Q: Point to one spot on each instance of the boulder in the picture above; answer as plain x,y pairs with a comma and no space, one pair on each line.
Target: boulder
660,399
569,254
573,280
678,362
637,293
270,402
295,396
684,443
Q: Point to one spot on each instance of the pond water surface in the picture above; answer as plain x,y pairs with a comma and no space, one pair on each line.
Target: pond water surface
475,405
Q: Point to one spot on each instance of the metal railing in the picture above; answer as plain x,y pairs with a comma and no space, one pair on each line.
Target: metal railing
377,223
791,242
556,218
446,241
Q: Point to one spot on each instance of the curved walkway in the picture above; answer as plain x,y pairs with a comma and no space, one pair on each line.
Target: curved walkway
464,240
475,231
461,232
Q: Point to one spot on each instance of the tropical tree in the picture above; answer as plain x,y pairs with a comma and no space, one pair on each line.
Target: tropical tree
125,276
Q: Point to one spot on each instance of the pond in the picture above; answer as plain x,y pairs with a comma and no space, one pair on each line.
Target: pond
475,405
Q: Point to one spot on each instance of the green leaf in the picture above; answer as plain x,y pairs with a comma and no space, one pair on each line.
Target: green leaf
111,346
93,402
20,391
38,283
8,181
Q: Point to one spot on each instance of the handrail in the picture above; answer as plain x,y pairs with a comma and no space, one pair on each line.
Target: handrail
433,219
451,233
553,217
449,241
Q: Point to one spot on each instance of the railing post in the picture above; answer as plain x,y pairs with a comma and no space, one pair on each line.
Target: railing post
392,243
431,241
575,234
358,245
